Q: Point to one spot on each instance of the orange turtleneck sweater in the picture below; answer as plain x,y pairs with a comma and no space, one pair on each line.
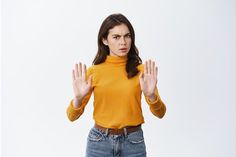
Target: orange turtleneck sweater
117,99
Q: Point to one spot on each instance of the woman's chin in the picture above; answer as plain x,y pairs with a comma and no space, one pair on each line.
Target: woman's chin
120,54
123,53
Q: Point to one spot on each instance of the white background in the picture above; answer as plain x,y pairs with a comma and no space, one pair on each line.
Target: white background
192,42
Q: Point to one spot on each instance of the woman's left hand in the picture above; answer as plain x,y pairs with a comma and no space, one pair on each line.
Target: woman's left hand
148,79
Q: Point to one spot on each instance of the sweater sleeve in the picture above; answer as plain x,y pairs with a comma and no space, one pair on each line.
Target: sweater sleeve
75,113
157,107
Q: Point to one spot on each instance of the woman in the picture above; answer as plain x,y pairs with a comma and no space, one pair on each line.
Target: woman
117,78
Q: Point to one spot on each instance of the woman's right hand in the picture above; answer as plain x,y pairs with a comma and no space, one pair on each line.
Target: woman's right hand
80,85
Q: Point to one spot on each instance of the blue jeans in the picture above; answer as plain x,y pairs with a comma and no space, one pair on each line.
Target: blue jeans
100,144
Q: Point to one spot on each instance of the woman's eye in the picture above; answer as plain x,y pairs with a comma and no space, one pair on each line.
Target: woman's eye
128,36
115,37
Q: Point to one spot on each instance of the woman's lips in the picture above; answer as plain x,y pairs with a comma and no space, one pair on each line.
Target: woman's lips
123,49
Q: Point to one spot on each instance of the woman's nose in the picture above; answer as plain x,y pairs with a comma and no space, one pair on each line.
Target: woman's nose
122,40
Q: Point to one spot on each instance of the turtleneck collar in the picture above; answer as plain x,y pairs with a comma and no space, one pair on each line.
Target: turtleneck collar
116,59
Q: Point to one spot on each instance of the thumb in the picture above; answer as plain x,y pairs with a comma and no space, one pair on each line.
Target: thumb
141,80
90,80
141,76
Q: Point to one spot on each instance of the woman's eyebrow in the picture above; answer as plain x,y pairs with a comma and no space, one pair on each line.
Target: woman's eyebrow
120,35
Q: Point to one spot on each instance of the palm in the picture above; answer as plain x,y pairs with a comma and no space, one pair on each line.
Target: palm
81,88
80,85
148,79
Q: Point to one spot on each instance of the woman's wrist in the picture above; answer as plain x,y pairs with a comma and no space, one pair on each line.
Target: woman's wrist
78,98
77,102
152,98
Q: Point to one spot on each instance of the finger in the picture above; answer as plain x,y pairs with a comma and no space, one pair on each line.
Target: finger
156,71
76,71
150,66
73,75
145,68
80,69
84,72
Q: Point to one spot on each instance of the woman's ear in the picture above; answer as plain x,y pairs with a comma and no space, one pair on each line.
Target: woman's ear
105,42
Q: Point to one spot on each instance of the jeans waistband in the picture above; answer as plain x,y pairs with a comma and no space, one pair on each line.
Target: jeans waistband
111,131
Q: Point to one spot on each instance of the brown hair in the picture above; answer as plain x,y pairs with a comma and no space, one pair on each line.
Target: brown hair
133,58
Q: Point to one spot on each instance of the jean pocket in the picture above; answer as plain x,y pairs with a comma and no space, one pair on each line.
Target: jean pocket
95,135
136,137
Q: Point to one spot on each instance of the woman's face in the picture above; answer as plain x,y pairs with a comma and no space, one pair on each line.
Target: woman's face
118,40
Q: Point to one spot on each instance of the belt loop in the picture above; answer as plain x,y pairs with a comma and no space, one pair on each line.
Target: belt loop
106,131
125,130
